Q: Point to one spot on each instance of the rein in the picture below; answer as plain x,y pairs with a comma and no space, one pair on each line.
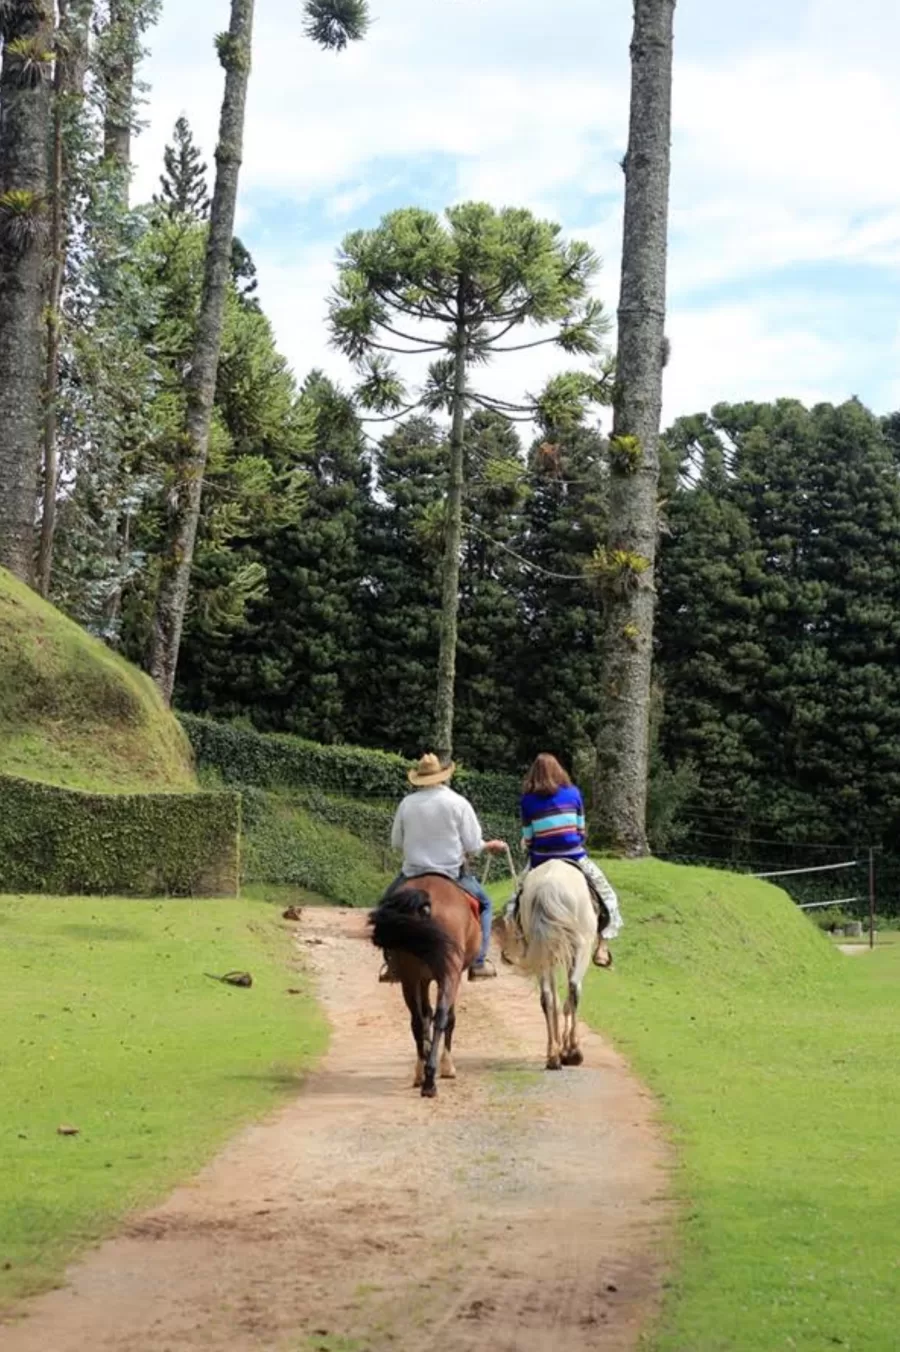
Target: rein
509,860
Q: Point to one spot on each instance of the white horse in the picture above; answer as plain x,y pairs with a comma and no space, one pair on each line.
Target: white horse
557,928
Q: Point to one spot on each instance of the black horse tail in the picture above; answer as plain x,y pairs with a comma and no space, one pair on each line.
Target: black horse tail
403,923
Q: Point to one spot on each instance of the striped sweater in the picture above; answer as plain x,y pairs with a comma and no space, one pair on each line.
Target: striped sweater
553,825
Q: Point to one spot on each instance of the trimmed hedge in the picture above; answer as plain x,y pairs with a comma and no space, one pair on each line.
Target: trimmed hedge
62,841
372,821
278,760
286,843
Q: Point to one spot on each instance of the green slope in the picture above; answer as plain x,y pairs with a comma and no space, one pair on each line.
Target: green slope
73,713
774,1060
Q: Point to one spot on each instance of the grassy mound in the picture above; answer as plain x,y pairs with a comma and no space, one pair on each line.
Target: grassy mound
773,1057
74,714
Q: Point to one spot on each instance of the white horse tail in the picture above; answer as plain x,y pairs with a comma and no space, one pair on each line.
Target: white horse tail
557,917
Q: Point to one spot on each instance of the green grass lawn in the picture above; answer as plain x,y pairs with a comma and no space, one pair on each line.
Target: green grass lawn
775,1061
110,1025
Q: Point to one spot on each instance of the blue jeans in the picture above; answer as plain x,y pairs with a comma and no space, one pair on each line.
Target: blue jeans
469,883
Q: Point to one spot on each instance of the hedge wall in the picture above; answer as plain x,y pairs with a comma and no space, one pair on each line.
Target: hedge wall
285,842
372,821
62,841
277,760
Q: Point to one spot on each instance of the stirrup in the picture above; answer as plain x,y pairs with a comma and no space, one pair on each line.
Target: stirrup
484,971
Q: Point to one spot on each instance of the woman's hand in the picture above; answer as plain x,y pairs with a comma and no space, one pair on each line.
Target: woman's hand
495,846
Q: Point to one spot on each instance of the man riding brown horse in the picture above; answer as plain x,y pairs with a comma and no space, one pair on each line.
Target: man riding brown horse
437,830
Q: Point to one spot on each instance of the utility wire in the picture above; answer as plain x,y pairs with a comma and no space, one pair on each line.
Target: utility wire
527,563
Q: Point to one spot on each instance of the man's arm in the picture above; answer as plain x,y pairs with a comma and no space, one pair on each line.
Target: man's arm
471,836
470,833
397,829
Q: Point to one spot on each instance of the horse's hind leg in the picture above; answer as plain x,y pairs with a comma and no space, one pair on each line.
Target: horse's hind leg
550,1006
413,997
446,1002
427,1029
572,1054
448,1069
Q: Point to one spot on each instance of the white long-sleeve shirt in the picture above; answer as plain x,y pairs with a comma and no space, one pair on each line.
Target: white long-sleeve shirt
435,828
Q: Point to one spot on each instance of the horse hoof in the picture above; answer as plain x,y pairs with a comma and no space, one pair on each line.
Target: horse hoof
554,1063
419,1075
429,1091
573,1058
448,1069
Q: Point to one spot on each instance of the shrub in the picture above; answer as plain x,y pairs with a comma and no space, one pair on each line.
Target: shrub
284,843
278,760
63,841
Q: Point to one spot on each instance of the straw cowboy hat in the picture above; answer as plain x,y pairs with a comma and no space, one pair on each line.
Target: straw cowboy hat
429,772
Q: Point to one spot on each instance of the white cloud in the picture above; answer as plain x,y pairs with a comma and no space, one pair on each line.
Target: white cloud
739,352
786,119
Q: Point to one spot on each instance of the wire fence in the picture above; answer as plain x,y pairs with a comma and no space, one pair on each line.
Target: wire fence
872,875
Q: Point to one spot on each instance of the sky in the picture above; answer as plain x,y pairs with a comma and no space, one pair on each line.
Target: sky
784,265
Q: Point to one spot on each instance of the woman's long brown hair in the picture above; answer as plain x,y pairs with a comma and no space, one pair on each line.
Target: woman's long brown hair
545,776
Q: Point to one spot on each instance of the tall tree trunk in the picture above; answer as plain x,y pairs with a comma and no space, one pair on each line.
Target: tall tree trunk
24,134
71,68
118,79
446,679
627,567
235,49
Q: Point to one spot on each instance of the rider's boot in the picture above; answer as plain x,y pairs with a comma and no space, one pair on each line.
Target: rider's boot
602,955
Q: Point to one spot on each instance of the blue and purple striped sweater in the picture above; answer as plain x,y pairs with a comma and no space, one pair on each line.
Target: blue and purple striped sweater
553,825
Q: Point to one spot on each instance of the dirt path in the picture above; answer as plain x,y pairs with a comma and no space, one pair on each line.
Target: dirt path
520,1210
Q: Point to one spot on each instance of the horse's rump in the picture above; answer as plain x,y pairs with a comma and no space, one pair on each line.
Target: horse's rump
557,916
403,923
454,882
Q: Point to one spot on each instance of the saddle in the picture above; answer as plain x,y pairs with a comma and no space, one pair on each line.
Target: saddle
603,916
436,873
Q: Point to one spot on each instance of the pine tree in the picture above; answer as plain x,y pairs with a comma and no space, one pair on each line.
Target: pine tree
299,658
183,184
490,630
253,475
558,674
779,629
625,565
402,548
243,275
72,42
459,286
25,95
331,23
121,25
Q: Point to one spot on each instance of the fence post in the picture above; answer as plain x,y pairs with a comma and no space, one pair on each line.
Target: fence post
871,897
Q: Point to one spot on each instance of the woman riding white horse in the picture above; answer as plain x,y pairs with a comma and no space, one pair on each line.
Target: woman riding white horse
553,827
556,928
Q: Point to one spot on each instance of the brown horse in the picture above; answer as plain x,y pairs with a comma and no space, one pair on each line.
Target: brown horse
431,931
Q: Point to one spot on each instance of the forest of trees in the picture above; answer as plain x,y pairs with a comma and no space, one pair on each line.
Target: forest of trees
318,572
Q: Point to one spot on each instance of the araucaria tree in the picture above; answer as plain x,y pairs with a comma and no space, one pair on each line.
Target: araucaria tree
183,189
463,289
332,24
625,566
121,25
25,95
